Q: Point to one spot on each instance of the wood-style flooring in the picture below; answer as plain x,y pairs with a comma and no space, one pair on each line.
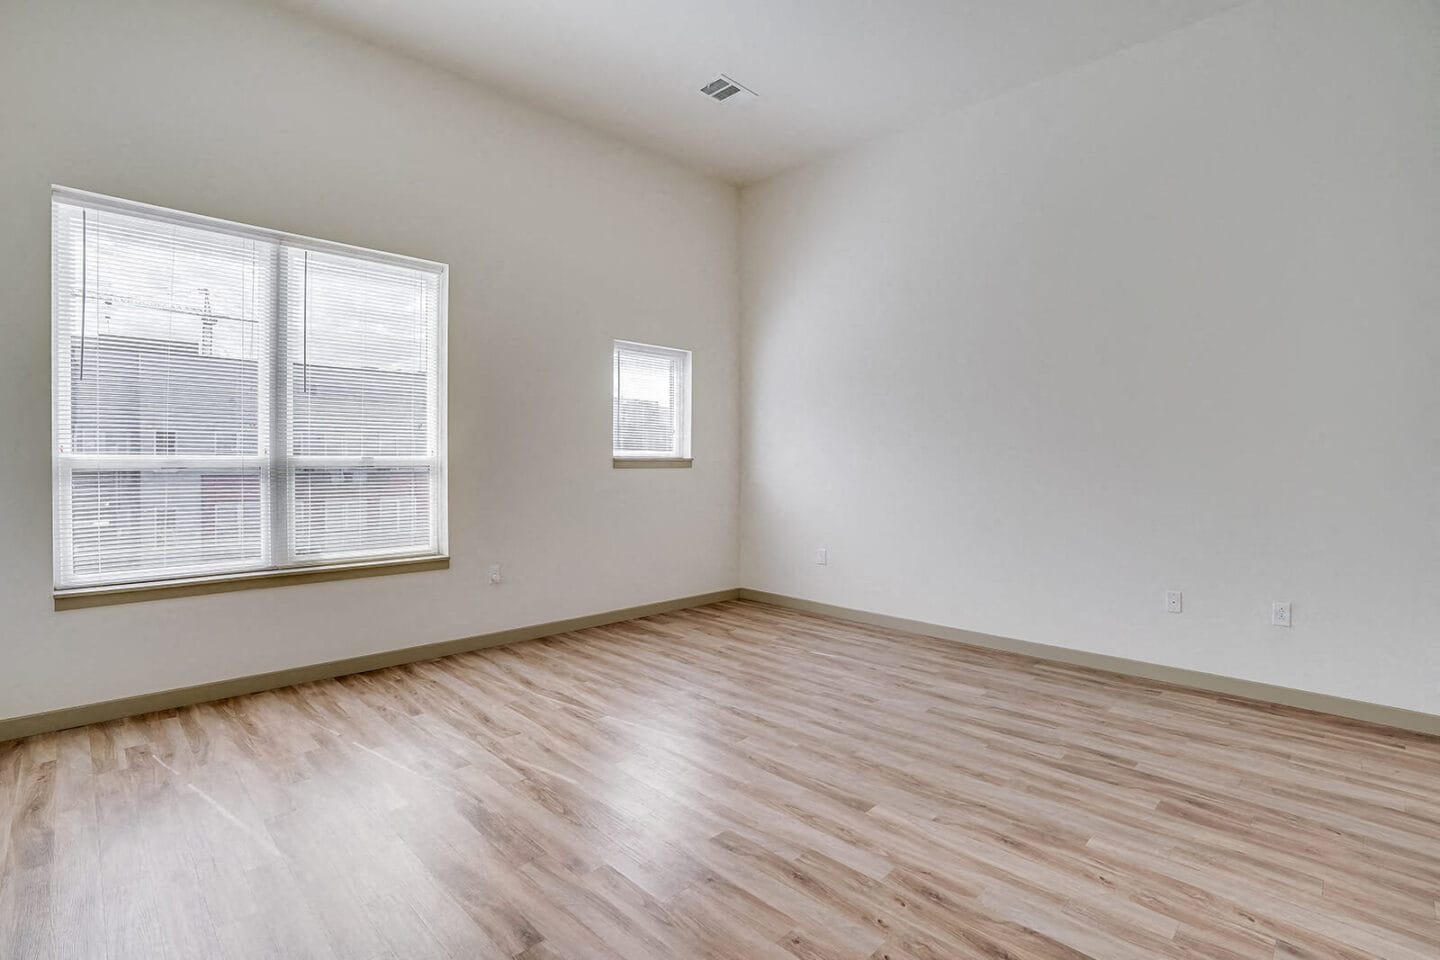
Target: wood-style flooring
733,781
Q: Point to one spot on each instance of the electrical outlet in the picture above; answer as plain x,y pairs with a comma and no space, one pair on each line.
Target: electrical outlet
1280,613
822,556
1174,601
495,574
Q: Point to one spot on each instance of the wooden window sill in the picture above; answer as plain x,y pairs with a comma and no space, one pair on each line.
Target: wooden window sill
643,463
198,586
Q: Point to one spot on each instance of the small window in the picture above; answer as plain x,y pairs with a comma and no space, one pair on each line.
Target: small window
651,403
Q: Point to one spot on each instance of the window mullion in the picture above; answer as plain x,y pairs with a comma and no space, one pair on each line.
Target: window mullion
278,439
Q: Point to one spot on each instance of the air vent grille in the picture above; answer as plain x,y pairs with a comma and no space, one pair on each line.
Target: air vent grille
722,88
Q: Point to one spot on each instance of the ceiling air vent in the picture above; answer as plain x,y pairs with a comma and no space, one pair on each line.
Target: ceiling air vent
722,88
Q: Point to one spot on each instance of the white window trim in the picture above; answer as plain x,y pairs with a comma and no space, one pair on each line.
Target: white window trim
281,462
664,458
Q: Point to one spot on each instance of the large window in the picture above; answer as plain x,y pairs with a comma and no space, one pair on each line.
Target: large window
651,398
231,400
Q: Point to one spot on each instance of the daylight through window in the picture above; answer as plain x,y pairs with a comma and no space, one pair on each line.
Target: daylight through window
651,392
230,400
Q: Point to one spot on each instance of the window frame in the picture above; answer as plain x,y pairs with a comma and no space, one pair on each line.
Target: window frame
277,495
683,417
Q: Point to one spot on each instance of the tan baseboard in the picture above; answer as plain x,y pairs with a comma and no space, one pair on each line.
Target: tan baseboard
64,718
1248,689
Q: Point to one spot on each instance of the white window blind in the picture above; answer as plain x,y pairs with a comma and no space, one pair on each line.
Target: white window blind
651,401
231,400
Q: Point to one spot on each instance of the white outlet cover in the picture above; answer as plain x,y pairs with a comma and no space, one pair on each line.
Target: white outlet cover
1280,613
495,574
1174,601
822,556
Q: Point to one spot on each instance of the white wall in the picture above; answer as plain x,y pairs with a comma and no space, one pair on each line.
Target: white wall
558,241
1171,320
1166,321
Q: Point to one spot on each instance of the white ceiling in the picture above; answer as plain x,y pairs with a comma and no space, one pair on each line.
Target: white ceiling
829,72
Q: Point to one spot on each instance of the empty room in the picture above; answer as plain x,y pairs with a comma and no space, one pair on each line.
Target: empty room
659,480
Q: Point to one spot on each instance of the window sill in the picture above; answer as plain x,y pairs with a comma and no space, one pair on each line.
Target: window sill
642,463
198,586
